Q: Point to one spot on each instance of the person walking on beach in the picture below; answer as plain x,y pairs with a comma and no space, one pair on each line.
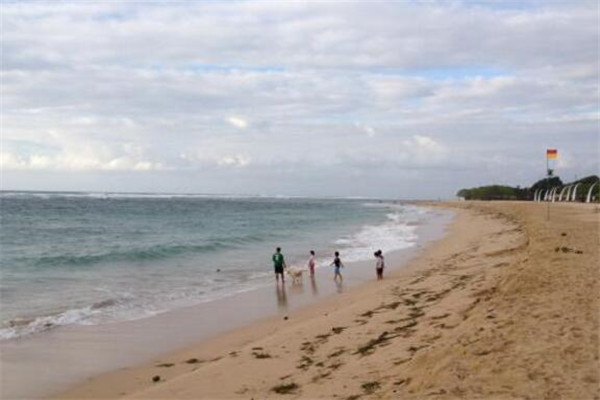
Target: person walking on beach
311,263
279,265
379,264
337,263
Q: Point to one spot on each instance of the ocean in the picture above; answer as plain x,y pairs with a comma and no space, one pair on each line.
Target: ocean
96,258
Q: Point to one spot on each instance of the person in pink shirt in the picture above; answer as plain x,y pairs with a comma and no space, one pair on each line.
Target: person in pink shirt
312,263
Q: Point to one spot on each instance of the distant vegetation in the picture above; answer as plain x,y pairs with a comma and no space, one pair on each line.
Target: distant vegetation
498,192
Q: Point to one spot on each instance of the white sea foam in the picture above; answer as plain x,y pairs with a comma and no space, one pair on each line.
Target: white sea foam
131,307
397,233
18,328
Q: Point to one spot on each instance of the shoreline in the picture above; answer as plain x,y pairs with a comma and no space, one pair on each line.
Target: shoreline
490,310
123,344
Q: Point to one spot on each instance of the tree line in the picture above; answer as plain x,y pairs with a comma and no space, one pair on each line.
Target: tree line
501,192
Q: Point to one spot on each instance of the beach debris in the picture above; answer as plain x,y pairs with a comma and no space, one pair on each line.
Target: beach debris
444,326
285,318
305,363
287,388
441,391
411,318
370,387
402,382
353,397
165,365
338,329
370,346
443,293
420,293
483,352
323,337
337,352
407,326
320,376
243,390
566,249
368,314
193,361
414,349
336,365
308,347
416,312
390,306
261,355
156,378
410,302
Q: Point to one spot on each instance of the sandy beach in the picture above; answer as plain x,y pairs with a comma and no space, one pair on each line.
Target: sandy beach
505,306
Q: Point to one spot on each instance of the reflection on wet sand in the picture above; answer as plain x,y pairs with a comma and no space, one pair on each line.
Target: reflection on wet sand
297,288
282,302
339,285
313,285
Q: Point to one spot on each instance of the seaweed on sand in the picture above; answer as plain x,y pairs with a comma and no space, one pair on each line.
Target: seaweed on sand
370,346
285,388
370,387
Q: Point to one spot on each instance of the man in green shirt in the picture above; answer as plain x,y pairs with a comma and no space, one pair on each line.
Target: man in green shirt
279,264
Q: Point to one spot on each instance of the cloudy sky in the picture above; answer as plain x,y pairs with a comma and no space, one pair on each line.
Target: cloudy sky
407,99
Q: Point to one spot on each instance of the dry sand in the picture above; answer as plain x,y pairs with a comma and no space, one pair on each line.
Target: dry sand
505,306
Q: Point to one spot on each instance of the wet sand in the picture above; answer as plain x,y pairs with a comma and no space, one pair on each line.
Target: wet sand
505,306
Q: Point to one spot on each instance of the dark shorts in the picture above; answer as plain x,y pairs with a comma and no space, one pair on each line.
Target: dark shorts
279,269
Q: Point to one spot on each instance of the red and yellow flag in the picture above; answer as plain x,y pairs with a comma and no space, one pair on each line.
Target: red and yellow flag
551,153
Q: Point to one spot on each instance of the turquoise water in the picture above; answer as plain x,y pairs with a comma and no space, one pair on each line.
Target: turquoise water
84,258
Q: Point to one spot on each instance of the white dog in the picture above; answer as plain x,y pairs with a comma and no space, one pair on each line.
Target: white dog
295,273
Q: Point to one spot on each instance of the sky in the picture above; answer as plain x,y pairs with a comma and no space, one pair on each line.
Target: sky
391,99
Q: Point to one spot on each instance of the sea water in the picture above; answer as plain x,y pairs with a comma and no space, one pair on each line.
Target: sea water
93,258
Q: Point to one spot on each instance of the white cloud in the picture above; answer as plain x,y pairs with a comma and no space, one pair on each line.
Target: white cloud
425,143
368,130
84,120
234,161
87,88
238,122
73,162
9,161
422,150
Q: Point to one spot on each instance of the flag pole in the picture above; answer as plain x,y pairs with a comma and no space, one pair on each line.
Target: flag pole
547,187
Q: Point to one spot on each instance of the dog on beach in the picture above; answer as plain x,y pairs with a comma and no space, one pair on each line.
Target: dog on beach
295,273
